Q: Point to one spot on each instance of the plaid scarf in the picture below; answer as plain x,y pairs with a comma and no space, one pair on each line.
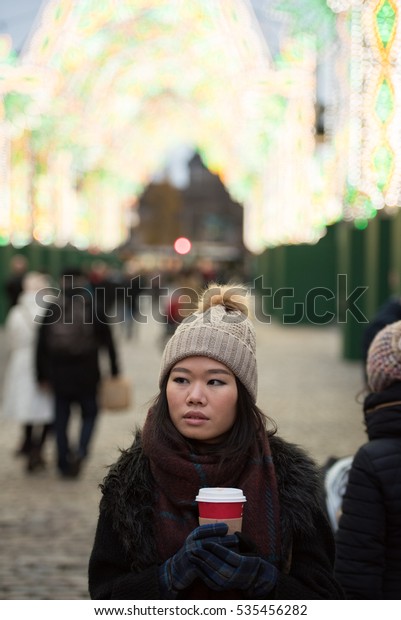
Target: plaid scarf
179,473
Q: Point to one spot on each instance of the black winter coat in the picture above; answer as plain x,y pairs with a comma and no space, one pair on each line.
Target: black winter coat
368,562
123,564
78,375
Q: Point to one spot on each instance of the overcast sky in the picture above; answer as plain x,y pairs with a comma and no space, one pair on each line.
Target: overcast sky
17,17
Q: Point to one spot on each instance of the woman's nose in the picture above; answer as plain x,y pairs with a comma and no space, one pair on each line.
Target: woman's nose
196,394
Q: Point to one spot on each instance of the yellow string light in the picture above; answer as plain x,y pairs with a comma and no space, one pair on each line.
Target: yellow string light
112,80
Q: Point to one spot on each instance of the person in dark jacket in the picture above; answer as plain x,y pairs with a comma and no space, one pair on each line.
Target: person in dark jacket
205,430
13,284
368,558
72,332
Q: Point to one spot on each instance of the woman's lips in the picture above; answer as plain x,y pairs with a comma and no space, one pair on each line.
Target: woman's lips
195,418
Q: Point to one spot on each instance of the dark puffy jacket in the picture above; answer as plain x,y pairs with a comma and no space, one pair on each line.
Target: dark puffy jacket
368,557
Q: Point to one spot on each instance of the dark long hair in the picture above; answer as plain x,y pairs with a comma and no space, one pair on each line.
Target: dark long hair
249,423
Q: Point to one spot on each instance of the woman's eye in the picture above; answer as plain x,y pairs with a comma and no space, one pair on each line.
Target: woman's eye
216,382
179,379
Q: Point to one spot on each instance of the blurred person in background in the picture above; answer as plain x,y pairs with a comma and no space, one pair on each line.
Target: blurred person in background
104,287
129,300
74,330
182,298
368,540
23,399
13,285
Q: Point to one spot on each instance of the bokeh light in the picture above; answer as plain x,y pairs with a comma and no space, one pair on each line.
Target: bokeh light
182,245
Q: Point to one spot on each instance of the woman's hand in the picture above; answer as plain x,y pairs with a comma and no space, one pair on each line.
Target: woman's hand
221,568
179,571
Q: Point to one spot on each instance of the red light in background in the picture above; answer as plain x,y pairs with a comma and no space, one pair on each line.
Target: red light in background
182,245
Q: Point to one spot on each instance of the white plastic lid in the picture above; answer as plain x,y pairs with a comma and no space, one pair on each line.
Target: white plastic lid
220,494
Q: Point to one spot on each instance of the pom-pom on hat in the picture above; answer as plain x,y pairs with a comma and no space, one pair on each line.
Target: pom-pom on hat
219,329
383,365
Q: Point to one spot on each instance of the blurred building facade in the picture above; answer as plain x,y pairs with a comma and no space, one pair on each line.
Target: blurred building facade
203,212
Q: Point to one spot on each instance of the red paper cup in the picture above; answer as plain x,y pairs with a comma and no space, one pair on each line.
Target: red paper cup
221,504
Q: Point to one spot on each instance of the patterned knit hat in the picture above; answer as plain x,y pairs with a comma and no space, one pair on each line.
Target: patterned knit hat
384,358
220,329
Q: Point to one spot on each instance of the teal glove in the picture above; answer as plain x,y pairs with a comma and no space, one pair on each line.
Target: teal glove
179,572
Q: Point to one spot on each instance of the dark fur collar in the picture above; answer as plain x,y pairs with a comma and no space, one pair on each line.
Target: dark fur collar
128,495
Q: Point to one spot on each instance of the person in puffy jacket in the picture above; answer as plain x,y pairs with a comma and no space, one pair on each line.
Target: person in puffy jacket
368,541
205,430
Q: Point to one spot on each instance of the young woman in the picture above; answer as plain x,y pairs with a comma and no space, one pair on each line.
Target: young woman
203,430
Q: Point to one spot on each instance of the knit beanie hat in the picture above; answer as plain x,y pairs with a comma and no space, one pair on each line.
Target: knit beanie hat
383,365
219,329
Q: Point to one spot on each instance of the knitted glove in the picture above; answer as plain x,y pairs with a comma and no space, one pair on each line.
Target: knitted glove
223,569
178,572
246,546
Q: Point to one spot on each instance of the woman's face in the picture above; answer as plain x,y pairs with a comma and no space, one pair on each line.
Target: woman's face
202,398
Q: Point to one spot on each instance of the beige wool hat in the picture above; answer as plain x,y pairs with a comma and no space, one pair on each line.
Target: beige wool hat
383,365
220,329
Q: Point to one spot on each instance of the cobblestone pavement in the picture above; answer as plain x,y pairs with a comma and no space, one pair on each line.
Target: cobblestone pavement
47,524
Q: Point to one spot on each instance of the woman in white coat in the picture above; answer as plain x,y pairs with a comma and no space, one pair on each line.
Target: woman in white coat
23,399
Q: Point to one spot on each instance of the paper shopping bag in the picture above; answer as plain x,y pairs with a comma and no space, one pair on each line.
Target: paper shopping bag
115,394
